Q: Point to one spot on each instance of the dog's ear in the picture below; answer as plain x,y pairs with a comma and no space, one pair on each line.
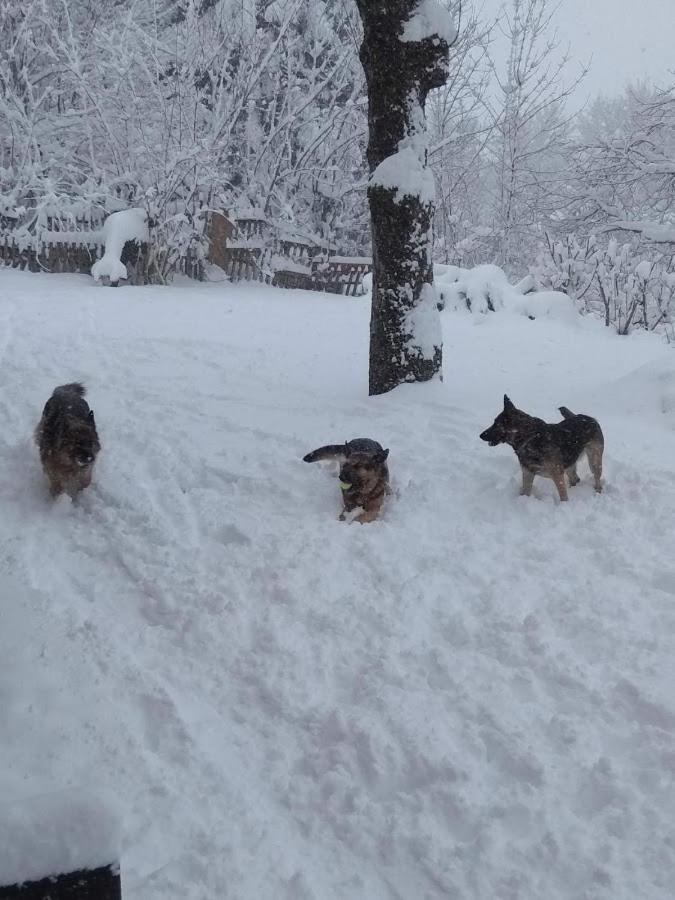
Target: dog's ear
90,417
507,403
384,455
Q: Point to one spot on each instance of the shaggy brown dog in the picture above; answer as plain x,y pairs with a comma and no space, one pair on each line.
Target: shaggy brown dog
364,476
67,439
549,450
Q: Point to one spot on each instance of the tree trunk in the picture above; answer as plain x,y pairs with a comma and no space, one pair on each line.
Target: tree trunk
402,62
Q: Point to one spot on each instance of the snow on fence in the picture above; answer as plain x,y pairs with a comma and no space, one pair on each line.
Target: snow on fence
246,249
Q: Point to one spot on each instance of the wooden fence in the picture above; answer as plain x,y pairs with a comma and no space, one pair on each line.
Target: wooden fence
246,250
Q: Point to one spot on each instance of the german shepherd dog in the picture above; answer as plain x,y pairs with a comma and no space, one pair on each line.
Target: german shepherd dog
549,450
67,439
364,476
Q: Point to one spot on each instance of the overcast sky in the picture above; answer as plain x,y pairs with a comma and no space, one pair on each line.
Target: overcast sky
627,39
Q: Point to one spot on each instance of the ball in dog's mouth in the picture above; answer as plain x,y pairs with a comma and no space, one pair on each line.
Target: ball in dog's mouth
345,485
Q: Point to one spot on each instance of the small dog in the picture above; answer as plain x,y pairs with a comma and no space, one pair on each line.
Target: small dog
67,439
549,450
364,476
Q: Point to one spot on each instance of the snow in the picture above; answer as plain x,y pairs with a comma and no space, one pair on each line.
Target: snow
429,19
644,269
471,697
49,835
367,283
423,323
118,228
545,304
406,173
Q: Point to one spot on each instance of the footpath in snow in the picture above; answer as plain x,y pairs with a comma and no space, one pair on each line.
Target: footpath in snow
471,698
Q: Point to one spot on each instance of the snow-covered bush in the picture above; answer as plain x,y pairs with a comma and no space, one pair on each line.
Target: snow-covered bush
487,288
480,289
627,284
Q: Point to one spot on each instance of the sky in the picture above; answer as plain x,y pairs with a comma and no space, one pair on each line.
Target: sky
624,40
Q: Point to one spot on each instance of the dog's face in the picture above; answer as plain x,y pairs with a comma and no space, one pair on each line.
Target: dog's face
361,471
80,444
506,426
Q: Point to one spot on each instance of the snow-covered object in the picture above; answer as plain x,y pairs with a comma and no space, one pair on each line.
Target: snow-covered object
487,288
406,172
367,283
429,18
56,833
644,269
118,228
479,290
543,305
424,324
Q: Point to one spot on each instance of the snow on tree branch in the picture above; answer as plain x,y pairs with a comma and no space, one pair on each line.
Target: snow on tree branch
651,231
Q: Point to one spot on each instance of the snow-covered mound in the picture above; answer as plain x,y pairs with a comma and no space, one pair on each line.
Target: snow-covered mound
478,290
544,305
118,228
487,288
649,389
469,698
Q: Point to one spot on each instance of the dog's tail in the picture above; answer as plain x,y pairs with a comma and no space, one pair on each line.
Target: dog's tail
566,413
74,388
330,451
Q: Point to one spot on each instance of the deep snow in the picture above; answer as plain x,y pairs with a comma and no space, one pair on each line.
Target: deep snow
471,698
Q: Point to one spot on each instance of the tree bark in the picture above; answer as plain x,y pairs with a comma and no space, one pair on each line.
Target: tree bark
405,337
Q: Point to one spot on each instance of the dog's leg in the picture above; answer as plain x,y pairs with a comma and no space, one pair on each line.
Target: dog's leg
528,480
368,515
371,509
558,476
594,450
572,476
55,484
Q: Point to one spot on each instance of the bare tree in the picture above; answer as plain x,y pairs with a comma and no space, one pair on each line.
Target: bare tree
459,134
625,174
531,126
404,55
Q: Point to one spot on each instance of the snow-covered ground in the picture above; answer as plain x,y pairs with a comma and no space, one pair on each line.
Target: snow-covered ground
471,698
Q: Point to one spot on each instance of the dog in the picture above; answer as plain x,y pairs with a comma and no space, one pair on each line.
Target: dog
67,440
364,476
551,450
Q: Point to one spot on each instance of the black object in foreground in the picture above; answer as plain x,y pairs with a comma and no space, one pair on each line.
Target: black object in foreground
102,883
